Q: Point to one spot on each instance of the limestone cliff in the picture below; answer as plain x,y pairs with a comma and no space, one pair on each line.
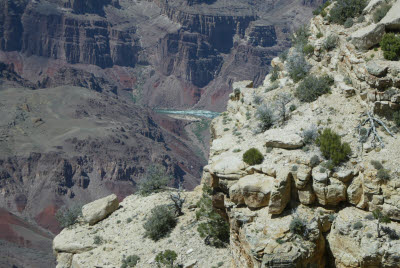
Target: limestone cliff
263,200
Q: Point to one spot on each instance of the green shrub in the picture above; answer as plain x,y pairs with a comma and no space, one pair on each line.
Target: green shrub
383,174
381,12
166,258
376,164
298,226
322,170
154,180
265,116
330,42
390,45
321,9
275,73
345,9
292,108
97,240
253,157
257,99
314,161
297,66
332,147
357,225
308,49
283,56
320,35
130,261
300,36
160,223
294,168
212,227
361,19
312,87
309,135
68,216
348,23
396,118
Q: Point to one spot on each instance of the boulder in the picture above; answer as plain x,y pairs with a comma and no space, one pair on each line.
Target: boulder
228,166
72,241
280,194
252,190
367,37
100,209
277,138
301,176
330,193
306,195
392,19
376,69
355,191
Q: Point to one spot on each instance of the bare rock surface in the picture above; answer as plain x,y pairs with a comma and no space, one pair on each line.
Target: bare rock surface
121,235
99,209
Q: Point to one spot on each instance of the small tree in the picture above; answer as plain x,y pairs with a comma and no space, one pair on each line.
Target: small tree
378,215
68,216
213,228
345,9
282,100
155,179
390,45
166,258
312,87
297,66
265,116
178,201
160,223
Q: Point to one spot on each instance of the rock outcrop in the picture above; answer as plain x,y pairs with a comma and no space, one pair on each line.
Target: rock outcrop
293,210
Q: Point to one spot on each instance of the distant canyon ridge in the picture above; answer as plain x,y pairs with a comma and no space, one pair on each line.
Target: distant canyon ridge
169,54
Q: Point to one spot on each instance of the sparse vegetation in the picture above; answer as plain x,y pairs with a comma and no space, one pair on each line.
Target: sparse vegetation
358,225
314,161
68,216
265,116
376,164
213,228
283,56
396,118
166,259
257,99
381,218
381,12
345,9
253,157
309,135
383,174
275,73
308,49
348,23
130,261
299,227
297,66
332,147
321,9
97,240
160,223
320,35
300,37
282,100
154,180
330,42
312,87
390,45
